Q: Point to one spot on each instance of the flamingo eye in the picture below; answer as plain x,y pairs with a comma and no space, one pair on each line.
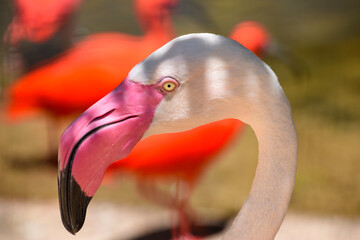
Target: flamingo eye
169,84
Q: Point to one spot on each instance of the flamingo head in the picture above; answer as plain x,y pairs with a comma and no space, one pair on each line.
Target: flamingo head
38,20
192,80
154,9
251,35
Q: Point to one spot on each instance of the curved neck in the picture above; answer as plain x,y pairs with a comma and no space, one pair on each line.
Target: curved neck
267,204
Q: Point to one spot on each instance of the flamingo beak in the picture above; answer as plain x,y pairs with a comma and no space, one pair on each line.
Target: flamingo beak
103,134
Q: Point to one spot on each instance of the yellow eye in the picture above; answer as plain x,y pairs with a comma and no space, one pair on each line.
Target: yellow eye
169,84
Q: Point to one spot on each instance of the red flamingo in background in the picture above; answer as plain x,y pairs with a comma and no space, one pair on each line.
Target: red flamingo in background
84,73
178,158
38,20
90,69
252,35
40,29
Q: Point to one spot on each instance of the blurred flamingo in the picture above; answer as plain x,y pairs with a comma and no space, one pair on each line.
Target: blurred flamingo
252,35
86,72
38,20
41,29
179,158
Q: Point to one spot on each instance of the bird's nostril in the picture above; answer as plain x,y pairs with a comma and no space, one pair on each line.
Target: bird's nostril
102,116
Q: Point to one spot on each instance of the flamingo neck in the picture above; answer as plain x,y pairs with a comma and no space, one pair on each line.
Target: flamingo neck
267,204
157,25
161,29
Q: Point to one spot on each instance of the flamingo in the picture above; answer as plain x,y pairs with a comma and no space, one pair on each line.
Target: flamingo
101,62
252,35
179,158
37,21
41,29
193,80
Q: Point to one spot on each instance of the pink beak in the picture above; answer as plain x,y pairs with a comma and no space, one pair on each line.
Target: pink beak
103,134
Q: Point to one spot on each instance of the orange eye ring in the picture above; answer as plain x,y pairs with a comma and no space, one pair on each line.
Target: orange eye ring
168,84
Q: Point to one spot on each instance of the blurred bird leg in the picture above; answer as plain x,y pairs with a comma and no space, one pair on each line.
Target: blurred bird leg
178,202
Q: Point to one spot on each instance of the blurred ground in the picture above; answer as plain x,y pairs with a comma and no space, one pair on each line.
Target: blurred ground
327,180
40,220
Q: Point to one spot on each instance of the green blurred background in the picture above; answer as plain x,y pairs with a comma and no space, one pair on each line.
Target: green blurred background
324,92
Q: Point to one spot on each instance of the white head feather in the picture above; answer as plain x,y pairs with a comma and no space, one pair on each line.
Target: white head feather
218,78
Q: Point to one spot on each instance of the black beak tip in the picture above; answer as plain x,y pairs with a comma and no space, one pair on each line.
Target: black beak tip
73,202
70,228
